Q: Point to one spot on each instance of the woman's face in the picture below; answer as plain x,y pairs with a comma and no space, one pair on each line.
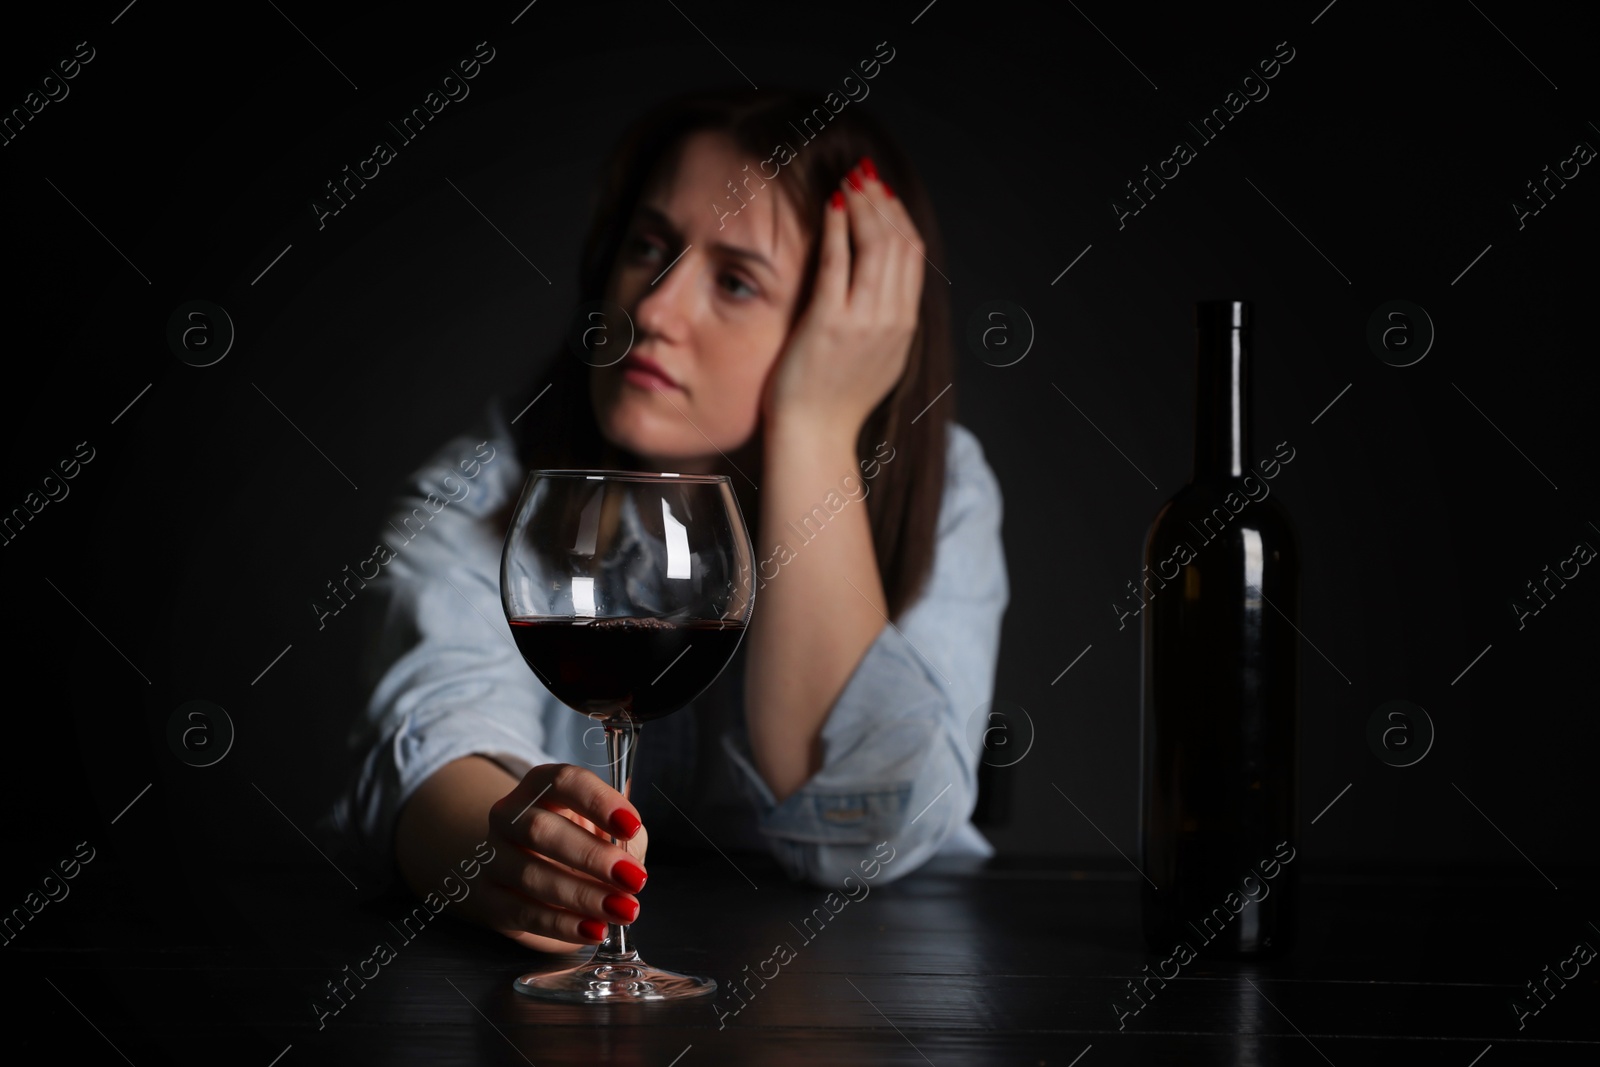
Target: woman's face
715,322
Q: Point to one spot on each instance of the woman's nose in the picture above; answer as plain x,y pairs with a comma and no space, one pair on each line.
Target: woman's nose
665,304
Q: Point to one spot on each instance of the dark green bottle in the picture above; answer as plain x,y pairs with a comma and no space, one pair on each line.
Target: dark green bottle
1219,731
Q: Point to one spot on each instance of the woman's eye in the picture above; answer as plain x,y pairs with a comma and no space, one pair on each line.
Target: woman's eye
738,281
641,246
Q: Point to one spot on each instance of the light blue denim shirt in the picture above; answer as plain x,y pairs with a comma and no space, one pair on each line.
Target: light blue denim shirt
900,746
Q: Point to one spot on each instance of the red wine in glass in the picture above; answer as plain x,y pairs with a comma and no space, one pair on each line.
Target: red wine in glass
626,668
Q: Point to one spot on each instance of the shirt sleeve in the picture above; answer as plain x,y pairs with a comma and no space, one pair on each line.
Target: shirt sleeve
899,762
445,677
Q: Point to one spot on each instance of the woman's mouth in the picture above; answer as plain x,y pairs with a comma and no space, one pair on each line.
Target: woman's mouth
646,373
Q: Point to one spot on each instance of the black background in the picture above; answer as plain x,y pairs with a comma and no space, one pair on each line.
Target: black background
192,545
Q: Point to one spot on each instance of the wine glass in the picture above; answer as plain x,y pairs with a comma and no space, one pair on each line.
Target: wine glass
627,593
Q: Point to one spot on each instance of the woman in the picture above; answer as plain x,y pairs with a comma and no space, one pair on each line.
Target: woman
782,335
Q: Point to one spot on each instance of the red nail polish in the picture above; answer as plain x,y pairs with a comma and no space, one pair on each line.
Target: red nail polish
625,823
621,908
629,874
592,930
855,182
887,191
836,200
868,168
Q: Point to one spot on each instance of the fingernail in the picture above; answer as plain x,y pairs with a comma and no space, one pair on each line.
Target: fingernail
868,168
625,823
855,182
629,874
592,930
621,908
836,200
887,191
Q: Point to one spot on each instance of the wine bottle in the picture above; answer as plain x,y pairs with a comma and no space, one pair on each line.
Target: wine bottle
1219,736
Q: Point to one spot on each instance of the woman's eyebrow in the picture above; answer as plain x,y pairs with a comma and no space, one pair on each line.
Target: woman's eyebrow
656,217
745,253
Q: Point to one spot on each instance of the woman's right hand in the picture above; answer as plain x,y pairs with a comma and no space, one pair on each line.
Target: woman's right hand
554,880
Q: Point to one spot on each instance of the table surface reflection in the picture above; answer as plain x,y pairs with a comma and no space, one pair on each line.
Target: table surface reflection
1015,962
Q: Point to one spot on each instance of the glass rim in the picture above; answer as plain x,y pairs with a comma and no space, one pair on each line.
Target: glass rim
630,476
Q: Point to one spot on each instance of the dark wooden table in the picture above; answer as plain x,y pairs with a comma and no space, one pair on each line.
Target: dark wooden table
1011,964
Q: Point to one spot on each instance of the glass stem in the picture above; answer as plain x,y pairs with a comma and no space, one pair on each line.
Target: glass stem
620,738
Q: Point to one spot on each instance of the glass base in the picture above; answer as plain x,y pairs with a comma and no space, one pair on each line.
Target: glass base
611,978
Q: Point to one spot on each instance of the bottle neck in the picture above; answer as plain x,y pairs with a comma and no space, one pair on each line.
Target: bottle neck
1222,403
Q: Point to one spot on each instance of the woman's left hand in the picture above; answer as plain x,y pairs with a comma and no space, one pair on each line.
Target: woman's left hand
850,346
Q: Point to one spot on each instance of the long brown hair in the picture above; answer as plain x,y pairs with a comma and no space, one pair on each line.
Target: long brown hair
903,505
